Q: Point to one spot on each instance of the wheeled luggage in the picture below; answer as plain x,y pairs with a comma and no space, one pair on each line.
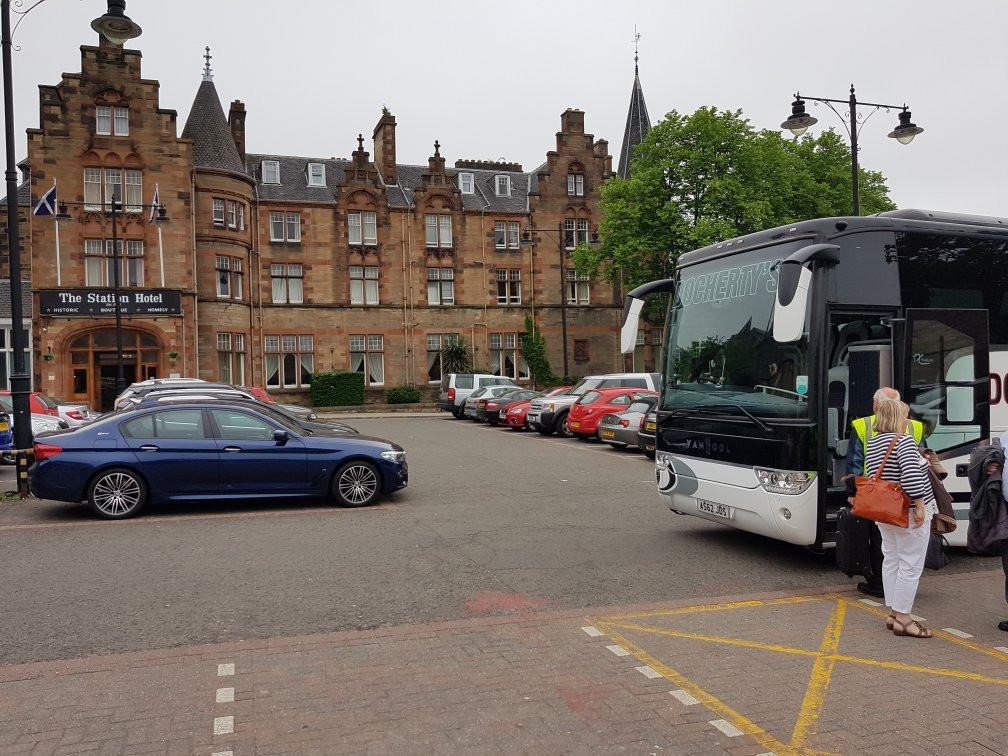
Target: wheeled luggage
852,537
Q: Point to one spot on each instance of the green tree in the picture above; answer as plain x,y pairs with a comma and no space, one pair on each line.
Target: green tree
710,176
456,356
534,351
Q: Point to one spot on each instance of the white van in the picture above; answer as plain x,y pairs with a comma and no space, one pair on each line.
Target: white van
456,388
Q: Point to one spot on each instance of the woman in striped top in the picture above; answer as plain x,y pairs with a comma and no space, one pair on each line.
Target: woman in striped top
903,549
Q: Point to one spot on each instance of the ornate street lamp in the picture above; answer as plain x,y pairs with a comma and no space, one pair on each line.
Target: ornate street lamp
799,121
528,241
115,210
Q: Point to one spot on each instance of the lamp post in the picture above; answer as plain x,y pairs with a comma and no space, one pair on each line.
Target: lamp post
527,240
20,380
115,210
799,121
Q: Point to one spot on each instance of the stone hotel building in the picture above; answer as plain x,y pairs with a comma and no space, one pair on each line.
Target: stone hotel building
261,269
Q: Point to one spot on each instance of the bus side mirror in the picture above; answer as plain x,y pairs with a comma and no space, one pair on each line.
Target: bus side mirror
793,282
632,306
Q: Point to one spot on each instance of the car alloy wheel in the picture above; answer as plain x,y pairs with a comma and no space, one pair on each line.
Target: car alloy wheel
117,493
356,483
563,428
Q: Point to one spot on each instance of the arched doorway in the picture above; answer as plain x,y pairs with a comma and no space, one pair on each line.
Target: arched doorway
94,363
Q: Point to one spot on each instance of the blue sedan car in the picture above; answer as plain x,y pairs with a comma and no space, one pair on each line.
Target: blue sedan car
209,451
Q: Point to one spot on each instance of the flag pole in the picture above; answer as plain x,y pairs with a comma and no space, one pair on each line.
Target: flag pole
59,274
160,255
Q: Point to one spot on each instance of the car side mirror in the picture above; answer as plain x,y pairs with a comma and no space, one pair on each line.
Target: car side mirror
280,436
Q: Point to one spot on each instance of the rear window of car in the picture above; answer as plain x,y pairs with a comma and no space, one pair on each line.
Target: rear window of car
628,382
46,401
586,385
588,397
464,380
640,406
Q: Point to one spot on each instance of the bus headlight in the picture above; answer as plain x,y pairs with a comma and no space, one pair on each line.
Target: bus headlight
783,481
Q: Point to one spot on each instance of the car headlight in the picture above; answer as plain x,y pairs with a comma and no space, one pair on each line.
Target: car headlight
789,482
312,417
548,407
399,457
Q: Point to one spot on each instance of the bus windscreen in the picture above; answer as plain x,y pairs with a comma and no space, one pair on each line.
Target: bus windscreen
722,355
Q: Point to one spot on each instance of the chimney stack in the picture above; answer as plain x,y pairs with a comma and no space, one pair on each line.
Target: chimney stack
384,147
236,120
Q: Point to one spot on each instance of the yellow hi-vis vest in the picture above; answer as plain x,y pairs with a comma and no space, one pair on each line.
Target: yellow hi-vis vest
862,425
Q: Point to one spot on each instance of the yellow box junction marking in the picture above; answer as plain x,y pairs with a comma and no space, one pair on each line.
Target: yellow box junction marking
826,659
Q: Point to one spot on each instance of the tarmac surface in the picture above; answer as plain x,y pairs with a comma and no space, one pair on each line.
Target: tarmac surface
771,673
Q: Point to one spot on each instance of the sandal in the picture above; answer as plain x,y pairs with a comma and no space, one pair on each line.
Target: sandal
901,628
889,621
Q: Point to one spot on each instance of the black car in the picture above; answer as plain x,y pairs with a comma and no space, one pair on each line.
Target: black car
646,434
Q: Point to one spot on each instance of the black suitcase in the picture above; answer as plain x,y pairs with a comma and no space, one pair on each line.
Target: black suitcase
852,543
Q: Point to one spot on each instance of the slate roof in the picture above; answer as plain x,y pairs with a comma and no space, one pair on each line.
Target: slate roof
23,195
293,186
637,126
207,126
5,299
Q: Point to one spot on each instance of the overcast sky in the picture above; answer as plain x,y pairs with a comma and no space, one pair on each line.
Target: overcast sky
489,80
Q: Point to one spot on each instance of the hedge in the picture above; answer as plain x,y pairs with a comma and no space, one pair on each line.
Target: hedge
403,395
337,389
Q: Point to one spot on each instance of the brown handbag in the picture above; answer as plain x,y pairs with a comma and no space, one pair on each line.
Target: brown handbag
881,500
944,521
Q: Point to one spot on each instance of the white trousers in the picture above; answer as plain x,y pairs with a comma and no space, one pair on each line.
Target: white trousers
903,552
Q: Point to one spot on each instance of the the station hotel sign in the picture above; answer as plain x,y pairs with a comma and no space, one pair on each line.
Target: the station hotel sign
92,302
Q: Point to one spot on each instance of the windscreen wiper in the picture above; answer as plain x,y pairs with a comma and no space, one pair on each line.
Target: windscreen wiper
768,429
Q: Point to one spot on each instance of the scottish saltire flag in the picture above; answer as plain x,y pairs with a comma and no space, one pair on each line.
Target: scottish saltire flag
154,205
47,205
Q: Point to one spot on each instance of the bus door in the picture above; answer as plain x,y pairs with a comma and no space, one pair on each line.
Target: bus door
859,361
945,377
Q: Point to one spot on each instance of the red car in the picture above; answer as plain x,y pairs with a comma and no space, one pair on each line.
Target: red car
586,412
514,416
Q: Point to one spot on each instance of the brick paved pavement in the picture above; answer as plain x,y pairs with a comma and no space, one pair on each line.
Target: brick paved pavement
741,675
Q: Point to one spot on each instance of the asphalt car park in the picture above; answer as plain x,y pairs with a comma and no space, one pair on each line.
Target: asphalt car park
491,519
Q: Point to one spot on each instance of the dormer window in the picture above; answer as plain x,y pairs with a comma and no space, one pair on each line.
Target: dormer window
111,120
271,171
503,186
466,183
316,174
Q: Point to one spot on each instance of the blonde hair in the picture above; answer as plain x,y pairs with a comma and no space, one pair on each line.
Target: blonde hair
891,416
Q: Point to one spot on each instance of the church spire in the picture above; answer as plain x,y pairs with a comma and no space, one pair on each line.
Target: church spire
637,124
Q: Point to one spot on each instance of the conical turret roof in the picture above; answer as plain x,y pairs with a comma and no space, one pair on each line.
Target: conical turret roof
637,125
207,126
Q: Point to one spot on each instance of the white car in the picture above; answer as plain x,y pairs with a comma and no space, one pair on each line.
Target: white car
40,424
75,413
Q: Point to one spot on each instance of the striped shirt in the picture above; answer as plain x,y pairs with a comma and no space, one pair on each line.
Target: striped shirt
905,465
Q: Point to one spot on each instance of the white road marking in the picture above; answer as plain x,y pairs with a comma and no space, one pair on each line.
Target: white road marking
618,650
727,728
222,753
225,695
683,697
956,633
225,670
870,602
649,673
1002,649
591,631
918,618
223,725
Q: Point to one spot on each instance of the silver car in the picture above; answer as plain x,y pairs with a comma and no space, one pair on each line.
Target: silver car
620,430
487,392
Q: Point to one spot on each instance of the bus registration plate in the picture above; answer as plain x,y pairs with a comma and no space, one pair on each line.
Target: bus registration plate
713,508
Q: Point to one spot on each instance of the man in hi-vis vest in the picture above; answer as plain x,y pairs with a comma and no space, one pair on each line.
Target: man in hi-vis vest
863,429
